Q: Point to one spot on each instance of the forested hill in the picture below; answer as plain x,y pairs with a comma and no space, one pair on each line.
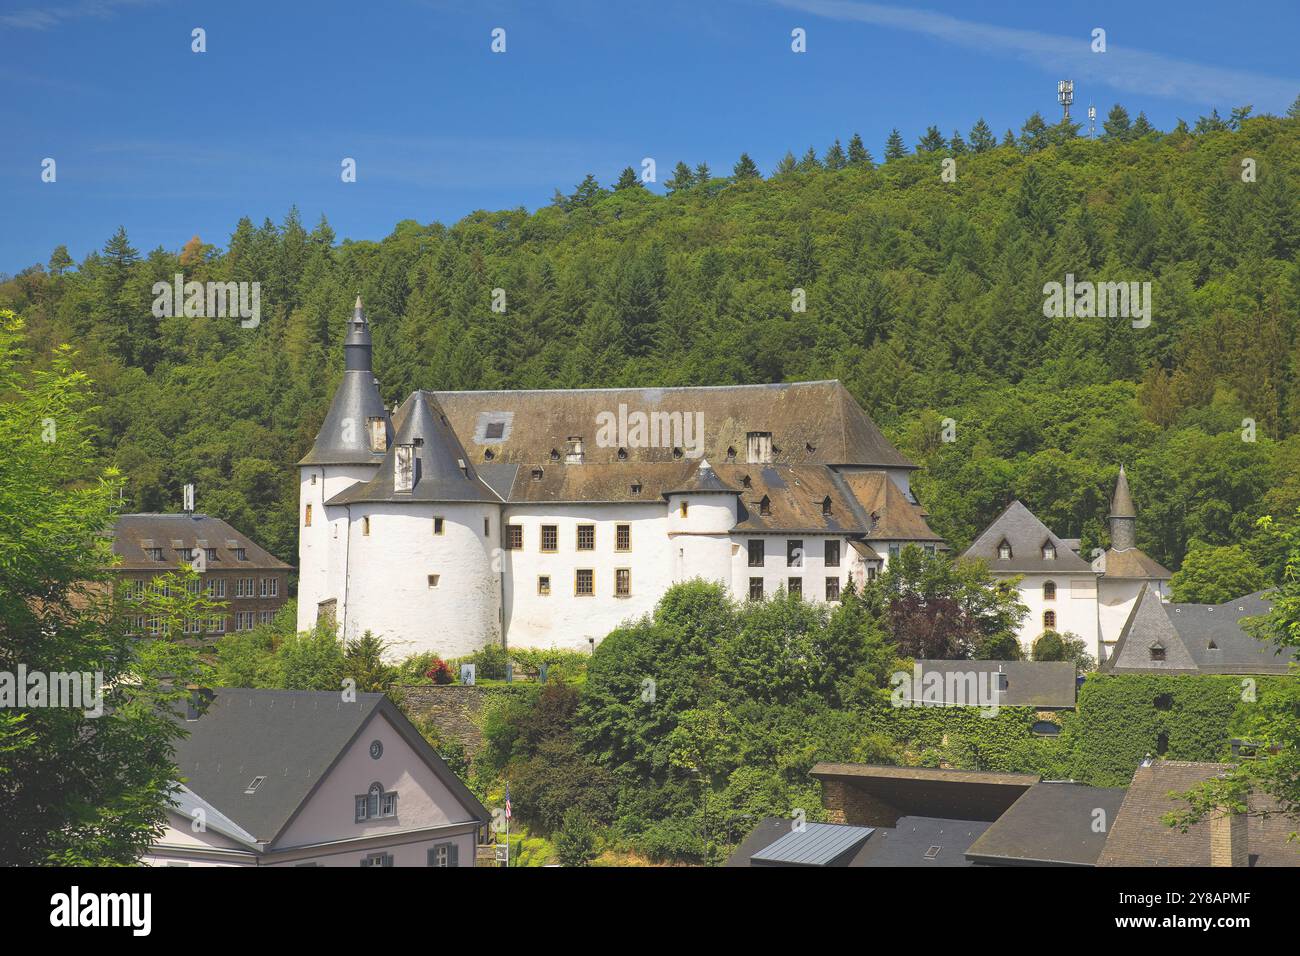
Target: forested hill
924,296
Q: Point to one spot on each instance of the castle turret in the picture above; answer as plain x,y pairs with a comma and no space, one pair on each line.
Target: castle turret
349,449
1123,516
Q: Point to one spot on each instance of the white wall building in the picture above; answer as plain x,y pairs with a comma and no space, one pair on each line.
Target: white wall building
1064,592
547,518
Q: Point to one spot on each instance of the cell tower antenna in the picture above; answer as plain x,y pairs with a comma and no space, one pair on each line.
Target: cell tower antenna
1092,121
1065,96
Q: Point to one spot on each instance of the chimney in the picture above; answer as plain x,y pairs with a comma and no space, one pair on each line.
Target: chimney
197,703
378,434
187,495
1229,839
574,456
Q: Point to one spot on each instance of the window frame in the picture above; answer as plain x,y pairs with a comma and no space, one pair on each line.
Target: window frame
622,574
762,552
553,530
577,577
590,530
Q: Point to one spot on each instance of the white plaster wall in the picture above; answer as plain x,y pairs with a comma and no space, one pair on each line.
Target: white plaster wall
1075,606
562,619
318,571
389,592
1116,597
775,572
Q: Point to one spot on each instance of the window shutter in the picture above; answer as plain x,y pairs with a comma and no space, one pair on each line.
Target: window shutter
453,854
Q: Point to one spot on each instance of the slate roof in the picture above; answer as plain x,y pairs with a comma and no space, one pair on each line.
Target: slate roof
1187,631
1131,563
344,438
892,517
293,738
913,841
810,422
132,533
1121,502
1020,528
438,459
1138,836
1052,824
815,844
1045,684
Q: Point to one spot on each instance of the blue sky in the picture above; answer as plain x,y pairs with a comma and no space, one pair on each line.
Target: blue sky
171,143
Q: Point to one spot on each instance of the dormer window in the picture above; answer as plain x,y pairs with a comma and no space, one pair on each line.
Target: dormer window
622,454
1049,552
1157,651
378,434
636,488
574,455
404,469
765,506
826,506
731,453
555,454
537,474
746,482
1004,551
758,447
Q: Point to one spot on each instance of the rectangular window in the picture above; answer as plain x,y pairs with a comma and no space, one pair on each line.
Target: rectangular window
210,554
433,580
544,584
388,805
757,557
586,537
584,582
685,507
832,554
306,518
218,625
155,554
444,854
514,537
437,526
622,582
756,589
623,537
794,553
377,859
832,589
894,550
365,526
550,537
275,587
487,527
794,586
265,588
241,554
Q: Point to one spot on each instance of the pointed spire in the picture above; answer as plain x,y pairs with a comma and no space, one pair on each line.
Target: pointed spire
1121,504
358,313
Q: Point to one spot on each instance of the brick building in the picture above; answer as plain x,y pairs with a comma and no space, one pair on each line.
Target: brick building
251,581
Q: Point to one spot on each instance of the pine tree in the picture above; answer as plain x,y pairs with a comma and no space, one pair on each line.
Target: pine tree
858,155
957,145
1116,124
745,168
835,156
932,141
981,137
682,178
1141,126
702,174
586,193
810,163
628,179
1211,124
787,164
1294,111
1009,139
1034,135
894,148
1237,116
60,260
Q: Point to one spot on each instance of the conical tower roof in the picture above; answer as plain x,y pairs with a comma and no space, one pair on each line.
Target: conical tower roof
443,471
1121,503
344,436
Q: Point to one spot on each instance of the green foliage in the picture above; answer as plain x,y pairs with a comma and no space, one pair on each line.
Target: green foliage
575,841
90,784
1049,647
1212,575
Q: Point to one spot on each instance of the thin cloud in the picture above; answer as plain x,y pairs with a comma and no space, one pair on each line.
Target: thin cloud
1121,68
49,17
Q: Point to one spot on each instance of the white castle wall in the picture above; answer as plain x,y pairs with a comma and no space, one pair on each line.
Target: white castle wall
776,572
320,570
1115,599
561,619
389,591
1075,607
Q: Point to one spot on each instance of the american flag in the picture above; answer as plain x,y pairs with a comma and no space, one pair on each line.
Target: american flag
507,801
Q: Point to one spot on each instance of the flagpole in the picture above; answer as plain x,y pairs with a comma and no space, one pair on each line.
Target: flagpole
507,824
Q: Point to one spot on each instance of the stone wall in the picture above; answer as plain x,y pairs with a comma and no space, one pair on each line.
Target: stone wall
454,709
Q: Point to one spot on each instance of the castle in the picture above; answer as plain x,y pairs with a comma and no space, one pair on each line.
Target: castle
1064,592
547,518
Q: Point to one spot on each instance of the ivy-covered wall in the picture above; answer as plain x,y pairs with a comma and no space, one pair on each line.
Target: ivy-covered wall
1117,723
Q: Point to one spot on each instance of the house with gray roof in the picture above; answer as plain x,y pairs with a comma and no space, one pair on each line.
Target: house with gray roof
312,778
1165,638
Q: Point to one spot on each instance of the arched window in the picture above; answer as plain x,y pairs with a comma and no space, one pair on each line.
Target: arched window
826,505
765,506
1049,590
1049,620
